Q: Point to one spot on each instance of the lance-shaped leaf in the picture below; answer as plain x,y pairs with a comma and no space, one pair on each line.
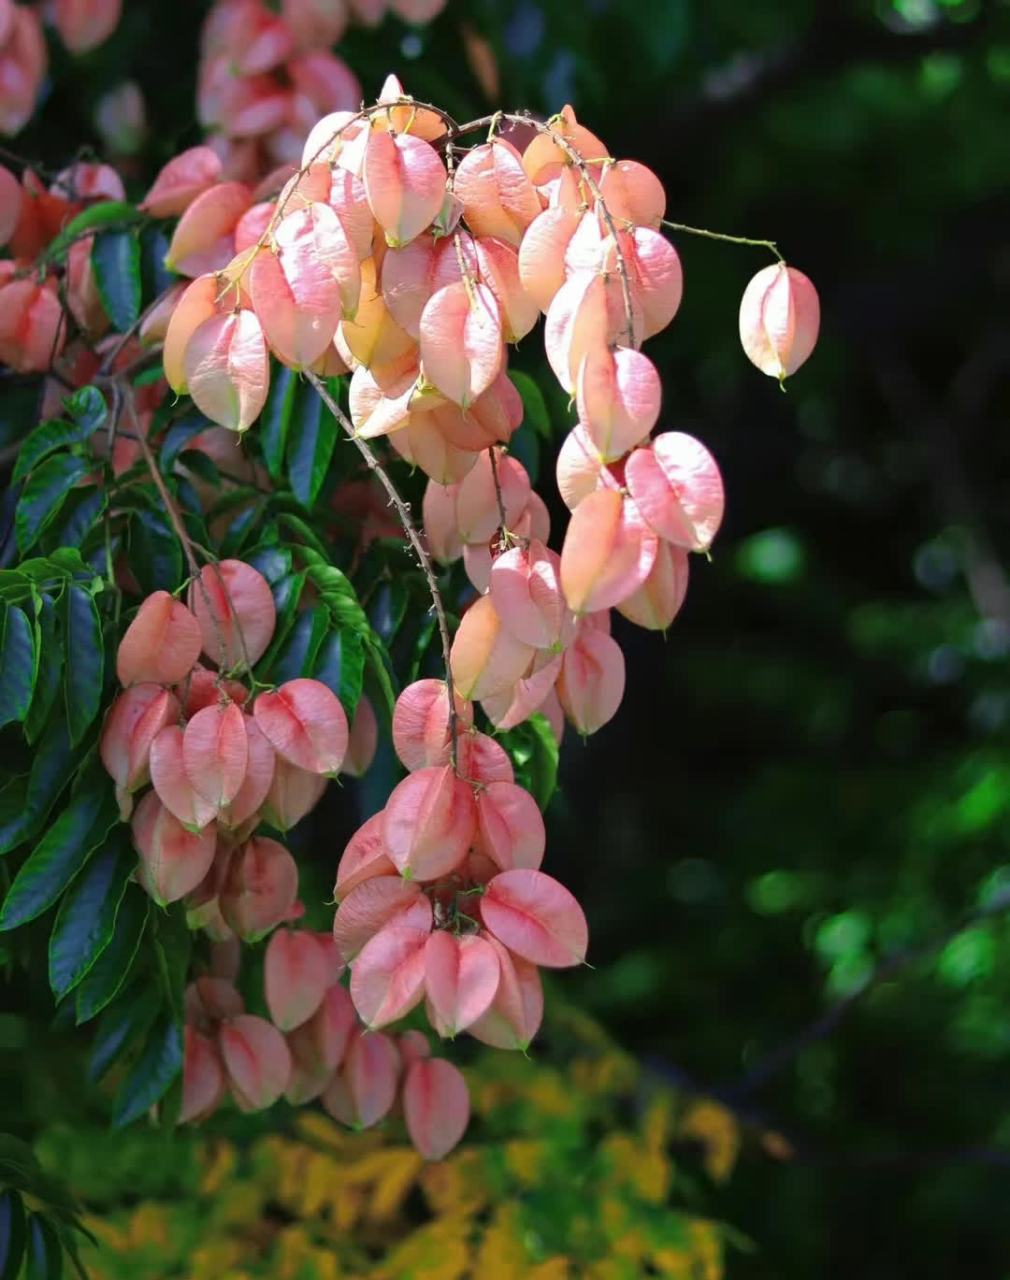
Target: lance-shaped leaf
429,823
536,917
436,1106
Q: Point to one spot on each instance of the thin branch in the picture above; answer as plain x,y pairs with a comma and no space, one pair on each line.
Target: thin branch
171,510
416,542
726,239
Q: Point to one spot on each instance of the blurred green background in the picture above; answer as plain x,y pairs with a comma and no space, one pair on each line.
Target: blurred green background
792,843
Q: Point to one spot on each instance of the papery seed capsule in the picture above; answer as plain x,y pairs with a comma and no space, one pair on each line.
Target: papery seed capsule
591,684
179,182
173,861
235,608
256,1060
608,552
780,317
260,888
429,822
161,644
297,971
676,485
514,1016
364,1089
486,658
306,724
436,1106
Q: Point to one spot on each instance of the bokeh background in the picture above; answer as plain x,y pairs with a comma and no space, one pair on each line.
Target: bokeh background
792,843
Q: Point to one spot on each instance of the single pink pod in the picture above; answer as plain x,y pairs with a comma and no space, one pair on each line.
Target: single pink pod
657,280
421,732
297,971
542,254
510,828
173,861
200,300
780,317
215,752
364,857
372,905
179,182
676,485
256,784
227,369
429,822
404,181
235,608
292,793
536,917
618,396
364,1089
633,193
131,726
527,596
577,322
387,977
256,1060
462,342
483,761
85,24
497,195
305,723
477,513
591,683
172,784
204,237
319,1044
363,741
514,1016
486,658
658,600
608,552
438,510
516,704
161,644
460,980
203,1082
580,470
436,1106
260,888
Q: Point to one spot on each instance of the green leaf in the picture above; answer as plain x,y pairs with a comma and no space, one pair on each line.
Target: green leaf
287,593
64,849
47,681
84,670
312,436
43,495
378,660
153,1072
107,975
297,654
43,1257
341,666
44,440
110,213
80,511
123,1021
534,753
155,276
534,405
155,553
13,1233
173,943
18,665
24,803
275,419
86,919
177,436
115,260
88,409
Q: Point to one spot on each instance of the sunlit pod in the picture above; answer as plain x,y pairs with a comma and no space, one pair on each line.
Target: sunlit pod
618,396
657,280
199,302
608,552
591,684
429,823
514,1016
256,1060
542,252
306,724
173,860
477,511
227,369
486,657
550,152
421,731
438,511
372,905
577,322
526,593
482,760
580,470
202,688
423,445
462,344
33,328
780,317
204,237
404,181
436,1106
497,194
507,709
632,193
372,337
658,600
676,485
234,606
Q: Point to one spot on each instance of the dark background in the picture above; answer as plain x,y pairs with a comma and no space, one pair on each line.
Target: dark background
792,842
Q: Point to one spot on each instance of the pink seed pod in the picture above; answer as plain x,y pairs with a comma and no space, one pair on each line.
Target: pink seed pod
363,741
633,193
438,513
608,552
372,905
510,829
526,697
373,337
215,753
305,723
364,1089
204,237
32,326
780,317
536,917
387,977
172,784
203,688
404,181
591,684
421,723
253,226
436,1106
542,254
201,300
577,322
514,1016
203,1084
658,600
544,158
292,794
676,485
179,182
618,397
424,445
154,326
161,644
407,281
297,972
11,195
657,280
256,1060
301,291
460,980
260,888
83,299
173,860
234,606
462,342
428,823
534,522
580,469
132,724
23,62
227,369
85,24
526,593
412,1046
209,1000
256,784
315,24
482,760
318,1046
497,195
486,658
364,857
